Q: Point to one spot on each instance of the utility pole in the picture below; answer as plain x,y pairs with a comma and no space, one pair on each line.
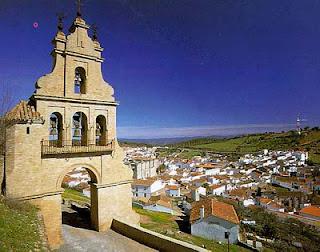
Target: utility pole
227,235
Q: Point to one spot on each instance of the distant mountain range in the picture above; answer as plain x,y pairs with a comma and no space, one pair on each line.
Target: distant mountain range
165,141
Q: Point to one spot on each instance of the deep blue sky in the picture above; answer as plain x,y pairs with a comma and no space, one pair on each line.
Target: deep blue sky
183,67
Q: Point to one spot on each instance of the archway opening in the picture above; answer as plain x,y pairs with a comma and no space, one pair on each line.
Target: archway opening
77,202
55,129
101,131
80,81
79,129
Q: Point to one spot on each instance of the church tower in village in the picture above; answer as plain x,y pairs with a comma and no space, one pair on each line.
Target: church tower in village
69,122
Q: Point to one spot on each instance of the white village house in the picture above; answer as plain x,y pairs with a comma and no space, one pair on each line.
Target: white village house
212,219
146,187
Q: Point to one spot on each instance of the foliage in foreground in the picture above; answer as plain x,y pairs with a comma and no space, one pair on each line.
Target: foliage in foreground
285,231
19,227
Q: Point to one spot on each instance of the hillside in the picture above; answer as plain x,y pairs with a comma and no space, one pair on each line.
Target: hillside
133,144
19,227
309,140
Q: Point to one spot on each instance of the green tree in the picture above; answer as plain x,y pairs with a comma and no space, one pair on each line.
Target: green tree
259,192
161,168
6,101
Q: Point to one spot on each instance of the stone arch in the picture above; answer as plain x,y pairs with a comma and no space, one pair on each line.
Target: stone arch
80,128
101,133
80,80
55,129
93,172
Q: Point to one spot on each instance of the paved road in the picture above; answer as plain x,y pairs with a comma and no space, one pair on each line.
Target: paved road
80,240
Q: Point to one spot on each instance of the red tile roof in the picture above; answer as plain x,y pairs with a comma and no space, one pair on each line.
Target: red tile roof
143,182
212,207
239,192
216,186
172,187
24,112
265,200
311,210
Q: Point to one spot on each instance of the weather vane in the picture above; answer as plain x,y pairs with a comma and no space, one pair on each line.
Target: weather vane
60,16
79,4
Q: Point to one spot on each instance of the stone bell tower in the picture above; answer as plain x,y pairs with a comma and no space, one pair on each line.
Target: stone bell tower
69,122
73,54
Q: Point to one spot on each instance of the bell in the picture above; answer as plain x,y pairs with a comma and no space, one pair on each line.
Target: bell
77,79
98,130
77,132
76,123
53,131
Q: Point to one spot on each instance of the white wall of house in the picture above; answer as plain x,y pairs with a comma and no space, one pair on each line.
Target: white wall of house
143,169
202,190
147,191
248,202
219,191
159,208
213,181
214,171
213,228
173,192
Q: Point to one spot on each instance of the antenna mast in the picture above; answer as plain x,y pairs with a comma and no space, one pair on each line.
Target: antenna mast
299,122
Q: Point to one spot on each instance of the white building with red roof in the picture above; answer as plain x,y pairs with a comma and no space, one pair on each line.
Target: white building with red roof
212,219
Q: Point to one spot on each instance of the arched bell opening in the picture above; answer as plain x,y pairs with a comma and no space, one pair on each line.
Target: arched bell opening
55,129
79,129
80,81
101,131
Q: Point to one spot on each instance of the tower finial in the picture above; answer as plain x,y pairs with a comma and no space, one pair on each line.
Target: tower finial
94,29
79,4
60,16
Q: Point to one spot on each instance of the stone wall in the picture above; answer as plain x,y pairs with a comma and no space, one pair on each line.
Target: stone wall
50,208
153,239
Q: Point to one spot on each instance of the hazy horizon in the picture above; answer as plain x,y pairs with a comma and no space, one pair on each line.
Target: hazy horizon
202,131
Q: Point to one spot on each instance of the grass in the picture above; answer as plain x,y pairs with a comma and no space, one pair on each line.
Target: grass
166,224
189,154
71,194
251,143
19,227
315,157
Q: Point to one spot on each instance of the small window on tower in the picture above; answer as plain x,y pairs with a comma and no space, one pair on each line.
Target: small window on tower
80,81
28,130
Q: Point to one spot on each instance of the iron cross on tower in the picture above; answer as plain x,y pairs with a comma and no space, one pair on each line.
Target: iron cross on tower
79,4
94,29
60,16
